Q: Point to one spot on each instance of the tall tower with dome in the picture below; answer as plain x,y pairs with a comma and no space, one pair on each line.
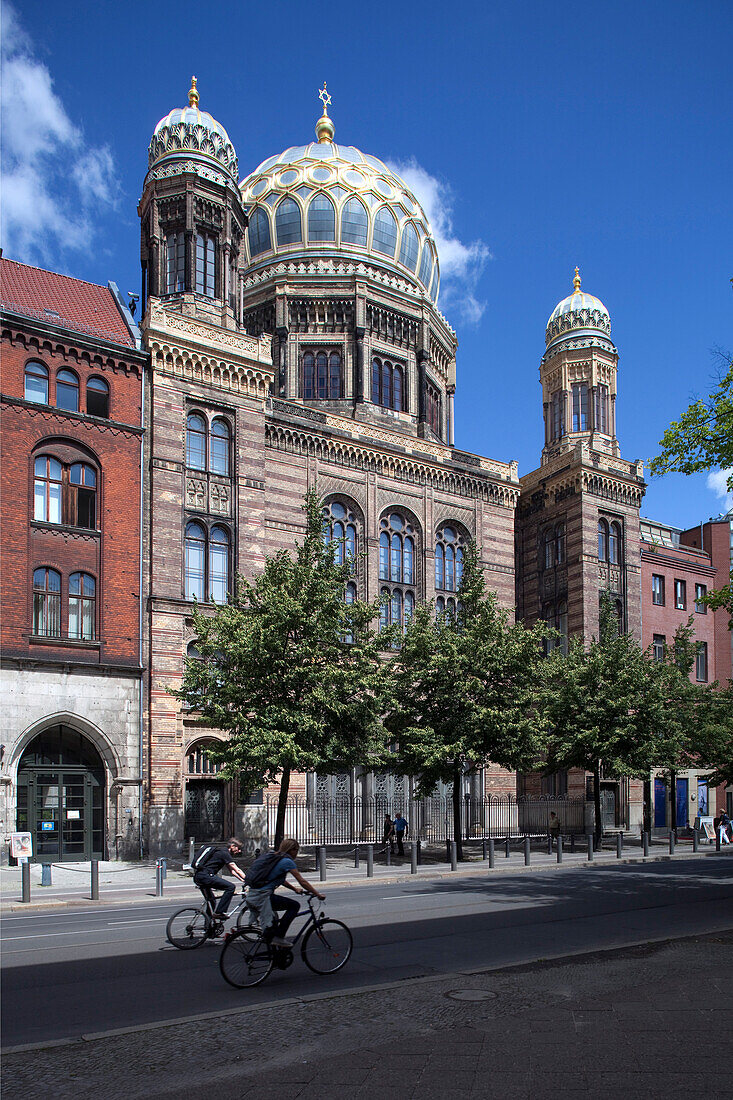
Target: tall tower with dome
295,343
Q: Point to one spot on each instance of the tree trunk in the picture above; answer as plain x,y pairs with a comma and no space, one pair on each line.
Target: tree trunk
457,802
281,807
647,820
597,802
673,803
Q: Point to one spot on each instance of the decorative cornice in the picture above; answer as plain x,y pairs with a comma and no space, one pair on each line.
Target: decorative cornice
71,342
80,420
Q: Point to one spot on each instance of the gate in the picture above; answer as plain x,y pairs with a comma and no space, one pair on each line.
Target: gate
204,809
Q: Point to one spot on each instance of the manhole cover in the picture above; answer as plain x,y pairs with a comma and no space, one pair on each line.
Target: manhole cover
471,994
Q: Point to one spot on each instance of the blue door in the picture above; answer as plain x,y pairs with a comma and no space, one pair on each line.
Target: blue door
660,804
683,819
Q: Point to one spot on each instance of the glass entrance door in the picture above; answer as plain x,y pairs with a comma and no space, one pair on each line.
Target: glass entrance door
61,815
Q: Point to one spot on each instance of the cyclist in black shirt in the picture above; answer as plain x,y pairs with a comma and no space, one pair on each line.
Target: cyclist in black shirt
206,874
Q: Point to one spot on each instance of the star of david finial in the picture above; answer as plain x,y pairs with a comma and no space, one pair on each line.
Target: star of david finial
324,98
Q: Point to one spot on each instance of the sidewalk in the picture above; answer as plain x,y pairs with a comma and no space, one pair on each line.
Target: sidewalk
643,1022
71,882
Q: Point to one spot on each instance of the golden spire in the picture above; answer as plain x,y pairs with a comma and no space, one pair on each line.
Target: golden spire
576,282
193,96
324,126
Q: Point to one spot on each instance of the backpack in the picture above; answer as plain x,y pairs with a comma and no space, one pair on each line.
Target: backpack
259,872
201,858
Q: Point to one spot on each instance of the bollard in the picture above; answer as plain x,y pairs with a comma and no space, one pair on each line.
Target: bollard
506,846
322,864
164,865
526,851
559,848
356,857
25,875
95,879
645,838
453,856
619,844
191,846
695,840
370,861
590,847
671,842
717,839
419,853
46,874
413,857
388,854
447,851
492,851
572,842
159,878
484,848
549,844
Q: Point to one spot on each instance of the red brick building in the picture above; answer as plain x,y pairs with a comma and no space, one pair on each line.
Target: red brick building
72,437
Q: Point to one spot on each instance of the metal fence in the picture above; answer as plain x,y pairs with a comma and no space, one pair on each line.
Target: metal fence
360,820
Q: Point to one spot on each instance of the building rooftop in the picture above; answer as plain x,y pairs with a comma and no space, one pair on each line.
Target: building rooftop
60,300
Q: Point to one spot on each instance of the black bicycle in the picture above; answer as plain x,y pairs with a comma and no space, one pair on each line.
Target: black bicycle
192,926
247,958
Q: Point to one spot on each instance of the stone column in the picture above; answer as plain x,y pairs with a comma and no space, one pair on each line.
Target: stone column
451,414
282,375
359,365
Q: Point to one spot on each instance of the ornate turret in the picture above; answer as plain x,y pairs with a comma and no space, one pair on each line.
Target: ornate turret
192,219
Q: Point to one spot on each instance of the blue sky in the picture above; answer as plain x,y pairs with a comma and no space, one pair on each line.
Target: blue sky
542,136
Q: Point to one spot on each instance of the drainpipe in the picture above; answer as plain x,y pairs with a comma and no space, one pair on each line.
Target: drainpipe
140,627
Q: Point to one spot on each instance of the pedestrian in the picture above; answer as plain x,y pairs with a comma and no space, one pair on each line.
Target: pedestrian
554,826
388,833
723,827
400,831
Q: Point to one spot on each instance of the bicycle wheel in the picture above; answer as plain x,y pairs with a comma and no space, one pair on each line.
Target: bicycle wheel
245,960
327,946
187,928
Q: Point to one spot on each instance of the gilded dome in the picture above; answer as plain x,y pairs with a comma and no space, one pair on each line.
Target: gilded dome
188,134
325,199
579,314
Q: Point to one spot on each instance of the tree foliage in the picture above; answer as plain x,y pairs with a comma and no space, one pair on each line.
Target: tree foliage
463,691
288,670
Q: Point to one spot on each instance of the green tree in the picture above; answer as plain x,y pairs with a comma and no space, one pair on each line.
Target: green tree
702,439
605,706
288,670
463,691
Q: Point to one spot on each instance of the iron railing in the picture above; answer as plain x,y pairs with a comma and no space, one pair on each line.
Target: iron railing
345,820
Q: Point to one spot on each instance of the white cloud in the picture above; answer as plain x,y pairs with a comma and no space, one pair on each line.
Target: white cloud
47,209
461,264
718,483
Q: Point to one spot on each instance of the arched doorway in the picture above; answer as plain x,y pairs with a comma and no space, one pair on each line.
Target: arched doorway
61,787
205,795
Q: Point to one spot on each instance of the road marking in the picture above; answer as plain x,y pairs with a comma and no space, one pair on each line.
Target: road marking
145,920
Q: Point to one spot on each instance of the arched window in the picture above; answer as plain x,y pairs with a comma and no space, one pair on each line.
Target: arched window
83,496
82,598
446,607
322,375
580,406
409,247
46,603
602,540
560,543
67,391
288,225
549,547
384,238
195,566
259,232
397,551
98,397
198,761
433,402
47,489
218,564
556,616
435,283
426,265
175,244
601,409
354,223
554,546
449,557
219,447
321,219
195,442
557,415
614,544
388,388
206,265
36,383
340,528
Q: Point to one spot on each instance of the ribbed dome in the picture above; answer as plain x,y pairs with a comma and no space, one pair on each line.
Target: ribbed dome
327,199
186,133
578,314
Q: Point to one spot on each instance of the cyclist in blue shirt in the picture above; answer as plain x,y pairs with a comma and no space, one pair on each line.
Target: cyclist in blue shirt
263,899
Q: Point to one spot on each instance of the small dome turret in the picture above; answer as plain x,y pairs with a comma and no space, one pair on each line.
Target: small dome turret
189,135
578,315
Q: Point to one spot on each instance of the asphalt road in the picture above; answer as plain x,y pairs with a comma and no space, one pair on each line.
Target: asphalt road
73,972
